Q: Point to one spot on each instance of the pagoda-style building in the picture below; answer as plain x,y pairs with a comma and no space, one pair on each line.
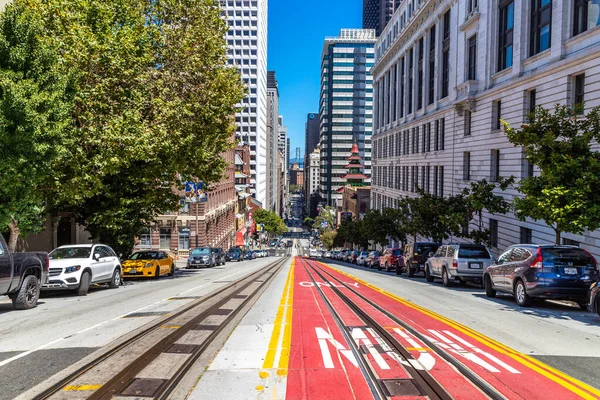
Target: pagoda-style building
355,175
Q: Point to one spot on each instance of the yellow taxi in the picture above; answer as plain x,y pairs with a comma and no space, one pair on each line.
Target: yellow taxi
148,263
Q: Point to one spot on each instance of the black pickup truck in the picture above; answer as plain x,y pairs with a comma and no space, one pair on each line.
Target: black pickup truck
21,275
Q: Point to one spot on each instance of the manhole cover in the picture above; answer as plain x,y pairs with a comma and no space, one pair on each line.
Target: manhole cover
182,348
145,387
401,387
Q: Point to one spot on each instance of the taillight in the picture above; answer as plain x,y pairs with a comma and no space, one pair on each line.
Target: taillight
593,258
537,263
454,264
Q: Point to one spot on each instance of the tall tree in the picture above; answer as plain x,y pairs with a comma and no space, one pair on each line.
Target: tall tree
271,222
565,193
325,220
36,99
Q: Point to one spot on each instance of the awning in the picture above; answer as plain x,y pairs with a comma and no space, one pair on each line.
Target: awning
239,239
238,160
243,195
240,188
239,175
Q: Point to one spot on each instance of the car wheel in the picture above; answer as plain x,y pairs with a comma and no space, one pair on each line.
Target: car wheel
521,295
378,267
487,284
428,276
156,273
84,284
115,282
28,295
172,270
387,267
598,305
411,270
398,269
583,306
445,278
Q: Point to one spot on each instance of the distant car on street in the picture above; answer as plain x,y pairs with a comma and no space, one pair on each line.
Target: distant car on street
76,267
372,259
415,255
148,264
458,262
313,253
529,271
21,275
201,257
249,255
219,256
360,260
235,254
390,258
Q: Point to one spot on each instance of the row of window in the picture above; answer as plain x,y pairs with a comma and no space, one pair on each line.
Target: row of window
238,3
409,178
412,141
239,32
242,22
239,42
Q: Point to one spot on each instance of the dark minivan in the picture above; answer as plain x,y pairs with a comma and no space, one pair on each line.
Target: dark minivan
415,256
530,271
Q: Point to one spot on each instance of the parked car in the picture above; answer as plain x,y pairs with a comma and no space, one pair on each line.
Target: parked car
594,297
327,254
530,271
458,262
313,253
348,256
219,256
235,254
372,259
362,256
390,258
415,255
148,264
249,255
76,267
21,275
201,256
354,257
334,254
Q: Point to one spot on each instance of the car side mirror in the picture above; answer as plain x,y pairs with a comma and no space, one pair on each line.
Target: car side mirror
97,256
430,254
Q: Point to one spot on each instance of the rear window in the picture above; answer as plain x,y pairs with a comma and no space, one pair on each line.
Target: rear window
396,252
426,248
565,256
472,251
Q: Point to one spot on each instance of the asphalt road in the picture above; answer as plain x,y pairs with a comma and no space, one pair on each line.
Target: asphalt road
35,344
557,333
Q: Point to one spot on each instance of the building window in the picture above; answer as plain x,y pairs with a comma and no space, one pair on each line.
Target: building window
472,67
467,117
184,239
466,166
402,77
527,168
505,35
420,74
586,15
423,179
435,180
165,238
410,79
428,137
446,56
442,127
427,176
441,183
431,64
569,242
579,93
393,96
496,115
526,236
541,25
531,99
494,232
436,139
495,165
146,238
472,5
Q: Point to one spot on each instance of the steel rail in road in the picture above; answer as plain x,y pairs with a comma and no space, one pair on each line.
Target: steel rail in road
118,383
424,380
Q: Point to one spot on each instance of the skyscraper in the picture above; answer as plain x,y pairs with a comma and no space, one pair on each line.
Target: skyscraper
284,149
346,106
272,193
311,142
377,13
247,42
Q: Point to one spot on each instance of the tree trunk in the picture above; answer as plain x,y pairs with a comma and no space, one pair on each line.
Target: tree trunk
14,235
557,232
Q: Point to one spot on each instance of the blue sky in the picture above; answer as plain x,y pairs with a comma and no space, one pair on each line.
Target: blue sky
296,33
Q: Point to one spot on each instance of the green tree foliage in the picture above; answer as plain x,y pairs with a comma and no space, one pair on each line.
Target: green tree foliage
480,197
328,239
36,98
325,221
352,232
565,194
150,104
272,223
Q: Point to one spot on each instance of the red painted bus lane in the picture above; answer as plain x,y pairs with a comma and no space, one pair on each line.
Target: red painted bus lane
506,370
320,365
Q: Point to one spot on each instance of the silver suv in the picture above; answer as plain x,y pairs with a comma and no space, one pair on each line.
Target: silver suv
458,262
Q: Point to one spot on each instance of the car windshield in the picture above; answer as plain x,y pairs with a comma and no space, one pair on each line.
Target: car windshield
426,248
473,251
364,254
201,251
396,252
70,252
145,255
567,256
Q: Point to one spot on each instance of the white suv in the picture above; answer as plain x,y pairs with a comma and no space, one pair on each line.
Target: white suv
76,267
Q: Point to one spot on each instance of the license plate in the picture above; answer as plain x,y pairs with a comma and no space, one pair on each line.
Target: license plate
570,271
475,265
133,272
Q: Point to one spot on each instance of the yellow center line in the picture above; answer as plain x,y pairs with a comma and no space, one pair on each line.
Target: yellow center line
580,388
82,387
284,359
285,299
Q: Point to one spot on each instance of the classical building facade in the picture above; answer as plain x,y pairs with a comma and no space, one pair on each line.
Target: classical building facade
346,106
247,42
446,73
